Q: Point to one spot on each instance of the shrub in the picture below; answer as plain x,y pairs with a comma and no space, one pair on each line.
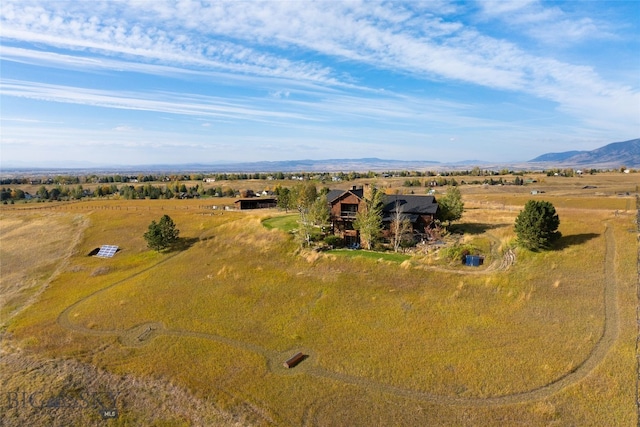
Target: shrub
458,252
334,241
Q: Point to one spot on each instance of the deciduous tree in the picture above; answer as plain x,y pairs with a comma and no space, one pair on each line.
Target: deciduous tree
450,206
368,220
400,227
303,197
319,211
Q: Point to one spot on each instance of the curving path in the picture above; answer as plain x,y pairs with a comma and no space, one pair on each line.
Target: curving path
143,333
499,264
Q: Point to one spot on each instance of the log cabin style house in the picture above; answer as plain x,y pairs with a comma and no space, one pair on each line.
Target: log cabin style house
421,212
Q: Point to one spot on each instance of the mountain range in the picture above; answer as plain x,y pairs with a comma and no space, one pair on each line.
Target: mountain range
610,156
616,154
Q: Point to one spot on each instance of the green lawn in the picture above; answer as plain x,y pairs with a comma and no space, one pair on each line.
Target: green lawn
286,223
386,256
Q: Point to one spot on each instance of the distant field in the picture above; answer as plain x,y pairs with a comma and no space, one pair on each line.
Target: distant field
390,340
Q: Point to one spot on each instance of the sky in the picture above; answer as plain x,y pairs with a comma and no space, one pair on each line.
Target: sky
142,82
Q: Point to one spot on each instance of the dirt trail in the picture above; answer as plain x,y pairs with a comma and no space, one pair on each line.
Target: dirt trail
141,334
597,355
499,264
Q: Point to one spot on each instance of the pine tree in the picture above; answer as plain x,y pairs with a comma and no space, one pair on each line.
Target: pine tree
537,225
169,231
162,234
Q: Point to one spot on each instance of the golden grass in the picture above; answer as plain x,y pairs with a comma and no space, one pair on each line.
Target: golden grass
25,268
381,336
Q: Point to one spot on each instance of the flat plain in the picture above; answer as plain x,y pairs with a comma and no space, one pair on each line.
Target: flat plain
198,335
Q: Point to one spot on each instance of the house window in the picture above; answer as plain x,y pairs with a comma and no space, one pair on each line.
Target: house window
348,210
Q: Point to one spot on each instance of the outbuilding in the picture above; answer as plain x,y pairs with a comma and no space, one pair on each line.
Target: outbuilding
256,203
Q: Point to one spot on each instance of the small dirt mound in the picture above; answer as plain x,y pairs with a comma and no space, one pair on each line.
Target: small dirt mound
141,334
100,271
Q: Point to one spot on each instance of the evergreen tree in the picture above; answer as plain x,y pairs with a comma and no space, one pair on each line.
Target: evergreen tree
169,230
537,225
162,234
284,198
154,237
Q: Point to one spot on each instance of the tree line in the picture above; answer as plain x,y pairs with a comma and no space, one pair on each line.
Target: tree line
442,181
294,176
127,192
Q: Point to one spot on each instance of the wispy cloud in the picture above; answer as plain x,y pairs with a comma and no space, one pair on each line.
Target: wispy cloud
384,108
4,118
549,24
183,104
125,128
280,94
301,65
81,30
224,36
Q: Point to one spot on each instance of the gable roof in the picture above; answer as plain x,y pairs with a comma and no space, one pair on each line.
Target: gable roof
411,207
410,204
334,195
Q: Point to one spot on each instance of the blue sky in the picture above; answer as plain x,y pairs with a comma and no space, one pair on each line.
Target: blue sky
148,82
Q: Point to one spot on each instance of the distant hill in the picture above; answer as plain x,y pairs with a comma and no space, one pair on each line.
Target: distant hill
557,157
616,154
626,153
328,165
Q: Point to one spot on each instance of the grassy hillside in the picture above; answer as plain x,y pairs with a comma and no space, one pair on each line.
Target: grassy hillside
548,341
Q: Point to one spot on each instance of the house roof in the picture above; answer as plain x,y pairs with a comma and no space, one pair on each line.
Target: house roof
256,199
389,217
410,204
333,195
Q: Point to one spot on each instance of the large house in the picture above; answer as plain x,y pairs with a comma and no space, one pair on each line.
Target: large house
344,205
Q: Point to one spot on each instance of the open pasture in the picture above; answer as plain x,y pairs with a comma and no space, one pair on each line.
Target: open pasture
548,341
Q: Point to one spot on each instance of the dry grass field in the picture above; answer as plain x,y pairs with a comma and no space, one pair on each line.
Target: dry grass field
197,336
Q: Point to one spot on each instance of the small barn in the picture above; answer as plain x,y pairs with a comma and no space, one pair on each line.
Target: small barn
256,203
